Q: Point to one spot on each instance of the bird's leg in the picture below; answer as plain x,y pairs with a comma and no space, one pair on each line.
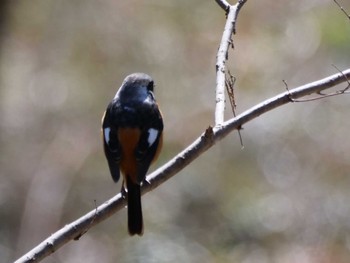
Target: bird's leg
123,191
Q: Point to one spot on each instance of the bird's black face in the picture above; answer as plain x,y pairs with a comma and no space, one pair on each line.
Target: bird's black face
150,86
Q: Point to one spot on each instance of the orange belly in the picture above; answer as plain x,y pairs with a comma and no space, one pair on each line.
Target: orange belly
129,138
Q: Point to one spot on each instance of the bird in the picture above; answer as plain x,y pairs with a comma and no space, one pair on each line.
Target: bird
132,133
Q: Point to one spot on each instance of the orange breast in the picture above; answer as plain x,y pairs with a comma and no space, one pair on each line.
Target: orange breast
129,138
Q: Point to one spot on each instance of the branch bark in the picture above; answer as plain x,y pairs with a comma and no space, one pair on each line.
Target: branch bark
222,55
223,4
207,139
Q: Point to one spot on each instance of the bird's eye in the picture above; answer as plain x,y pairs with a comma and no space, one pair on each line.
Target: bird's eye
150,86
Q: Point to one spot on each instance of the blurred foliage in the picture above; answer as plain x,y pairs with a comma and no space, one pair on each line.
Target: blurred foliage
283,198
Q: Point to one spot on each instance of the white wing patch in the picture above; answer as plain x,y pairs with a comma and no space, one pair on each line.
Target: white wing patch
106,134
152,136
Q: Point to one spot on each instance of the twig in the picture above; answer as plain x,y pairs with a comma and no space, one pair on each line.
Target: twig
179,162
222,55
347,80
323,96
320,93
342,9
230,83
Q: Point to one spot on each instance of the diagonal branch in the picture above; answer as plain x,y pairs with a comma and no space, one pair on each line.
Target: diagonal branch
76,229
342,9
222,55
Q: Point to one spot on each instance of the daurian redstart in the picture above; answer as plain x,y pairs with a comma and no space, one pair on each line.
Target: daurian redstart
132,129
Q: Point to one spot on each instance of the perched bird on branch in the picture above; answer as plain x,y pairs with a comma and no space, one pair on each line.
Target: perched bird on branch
132,129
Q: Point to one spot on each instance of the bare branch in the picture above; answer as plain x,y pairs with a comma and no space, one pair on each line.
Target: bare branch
222,56
223,4
342,9
179,162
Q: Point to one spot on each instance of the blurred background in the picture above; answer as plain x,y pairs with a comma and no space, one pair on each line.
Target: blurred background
283,198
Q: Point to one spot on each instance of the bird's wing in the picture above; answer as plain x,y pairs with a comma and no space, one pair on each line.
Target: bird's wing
150,143
111,147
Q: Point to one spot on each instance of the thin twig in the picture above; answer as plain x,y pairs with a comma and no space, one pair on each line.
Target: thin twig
179,162
347,80
323,96
320,93
230,85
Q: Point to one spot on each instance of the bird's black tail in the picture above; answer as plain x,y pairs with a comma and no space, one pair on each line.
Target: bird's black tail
135,221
